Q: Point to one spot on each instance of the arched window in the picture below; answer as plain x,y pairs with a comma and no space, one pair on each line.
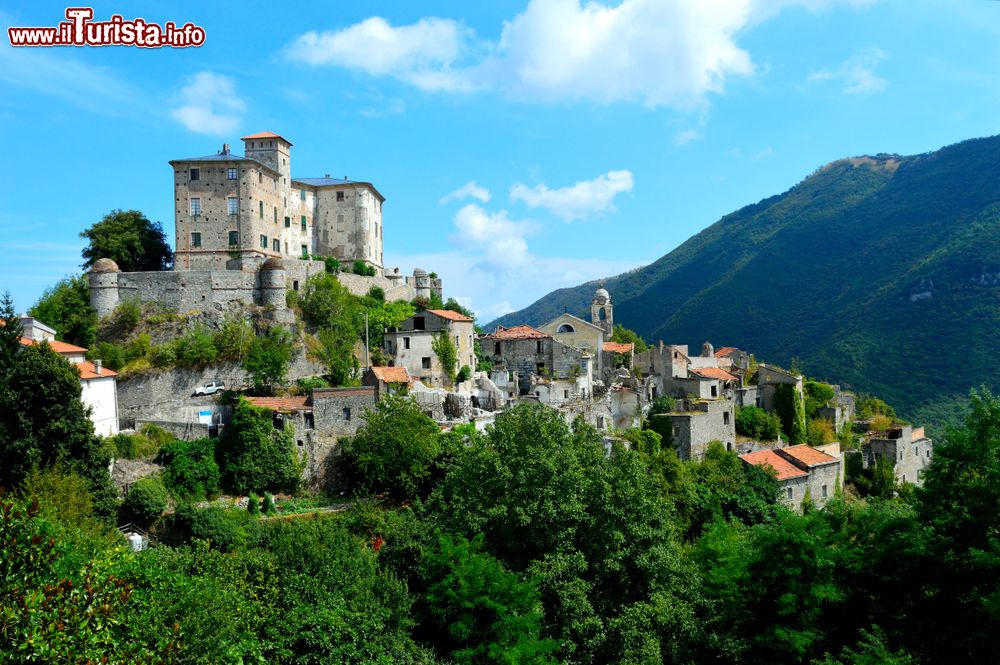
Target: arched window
566,328
602,314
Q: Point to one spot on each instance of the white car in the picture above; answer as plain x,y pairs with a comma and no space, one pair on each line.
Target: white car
210,388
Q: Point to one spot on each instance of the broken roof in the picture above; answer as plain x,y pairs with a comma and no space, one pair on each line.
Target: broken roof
450,315
784,469
280,404
712,373
619,347
517,332
391,374
725,351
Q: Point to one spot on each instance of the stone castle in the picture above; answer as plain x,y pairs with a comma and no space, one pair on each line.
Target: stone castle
246,231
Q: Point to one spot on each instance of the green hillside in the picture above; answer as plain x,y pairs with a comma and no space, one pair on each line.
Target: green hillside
881,273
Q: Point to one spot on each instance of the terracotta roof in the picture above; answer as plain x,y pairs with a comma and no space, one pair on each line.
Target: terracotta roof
618,347
713,373
265,135
517,332
725,351
391,374
55,345
450,315
768,458
807,455
88,371
281,404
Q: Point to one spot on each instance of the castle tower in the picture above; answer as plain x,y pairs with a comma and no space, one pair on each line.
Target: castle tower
103,280
270,150
422,283
601,312
273,280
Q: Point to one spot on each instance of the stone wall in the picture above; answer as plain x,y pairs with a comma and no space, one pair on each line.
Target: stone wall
700,424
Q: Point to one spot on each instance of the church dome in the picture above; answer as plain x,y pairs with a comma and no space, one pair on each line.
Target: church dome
104,265
602,295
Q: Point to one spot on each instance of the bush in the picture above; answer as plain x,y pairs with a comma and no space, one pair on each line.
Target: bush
362,268
377,293
332,265
233,339
464,374
757,423
820,432
817,395
133,446
191,472
139,348
253,504
127,314
257,456
145,501
268,359
225,528
306,385
163,355
111,354
269,506
196,348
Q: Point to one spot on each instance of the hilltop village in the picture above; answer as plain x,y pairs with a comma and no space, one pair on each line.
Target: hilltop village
250,237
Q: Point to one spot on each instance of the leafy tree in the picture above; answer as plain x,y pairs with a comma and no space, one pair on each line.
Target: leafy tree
10,334
191,472
658,421
820,432
817,395
790,409
129,239
268,359
455,306
234,339
869,407
396,449
334,347
62,496
478,611
447,354
258,456
623,335
196,347
757,423
66,307
146,501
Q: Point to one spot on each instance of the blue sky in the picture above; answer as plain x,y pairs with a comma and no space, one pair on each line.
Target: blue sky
522,145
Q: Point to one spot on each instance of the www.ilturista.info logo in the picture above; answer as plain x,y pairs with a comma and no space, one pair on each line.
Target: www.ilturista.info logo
81,30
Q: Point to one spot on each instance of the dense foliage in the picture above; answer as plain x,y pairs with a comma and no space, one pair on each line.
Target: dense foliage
257,456
65,307
129,239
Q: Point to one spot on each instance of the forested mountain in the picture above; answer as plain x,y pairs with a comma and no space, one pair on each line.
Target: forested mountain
882,273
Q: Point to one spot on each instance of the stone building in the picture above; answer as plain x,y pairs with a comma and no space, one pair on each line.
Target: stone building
577,333
800,470
386,380
602,312
411,344
527,352
698,422
250,206
769,378
906,447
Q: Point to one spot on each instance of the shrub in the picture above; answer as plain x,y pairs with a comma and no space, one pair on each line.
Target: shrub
464,374
817,395
881,423
257,456
233,339
268,359
225,528
362,268
307,384
757,423
133,446
377,293
253,504
111,354
820,432
163,355
191,471
196,348
145,501
269,507
332,265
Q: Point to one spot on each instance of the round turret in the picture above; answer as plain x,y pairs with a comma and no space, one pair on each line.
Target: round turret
272,283
421,283
103,282
707,350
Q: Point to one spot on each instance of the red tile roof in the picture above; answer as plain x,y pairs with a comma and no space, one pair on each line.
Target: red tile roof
450,315
725,351
391,374
89,371
517,332
281,404
619,347
807,455
784,469
713,373
55,345
265,135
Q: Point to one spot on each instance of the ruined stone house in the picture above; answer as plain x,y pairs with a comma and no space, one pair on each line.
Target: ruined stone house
800,470
411,344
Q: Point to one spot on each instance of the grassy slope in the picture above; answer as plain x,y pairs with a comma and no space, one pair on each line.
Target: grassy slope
825,272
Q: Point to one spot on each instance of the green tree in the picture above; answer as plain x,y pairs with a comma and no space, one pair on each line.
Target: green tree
257,456
479,612
817,395
146,501
757,423
268,359
191,472
455,306
623,335
395,450
129,239
447,354
334,347
790,409
10,334
66,307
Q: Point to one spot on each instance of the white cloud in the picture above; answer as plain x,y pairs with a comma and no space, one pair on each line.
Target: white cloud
420,53
686,136
661,53
209,104
585,198
857,73
468,190
496,238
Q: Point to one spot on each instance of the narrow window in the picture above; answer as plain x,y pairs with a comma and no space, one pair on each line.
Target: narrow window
340,196
276,245
195,207
788,493
275,214
196,240
538,346
263,242
195,174
425,362
565,394
310,420
262,210
823,491
715,392
302,220
725,418
496,348
295,285
600,422
230,174
302,195
347,413
406,342
305,252
234,238
288,222
260,178
234,205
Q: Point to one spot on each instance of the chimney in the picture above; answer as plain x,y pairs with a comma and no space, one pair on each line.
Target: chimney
225,148
98,366
327,176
